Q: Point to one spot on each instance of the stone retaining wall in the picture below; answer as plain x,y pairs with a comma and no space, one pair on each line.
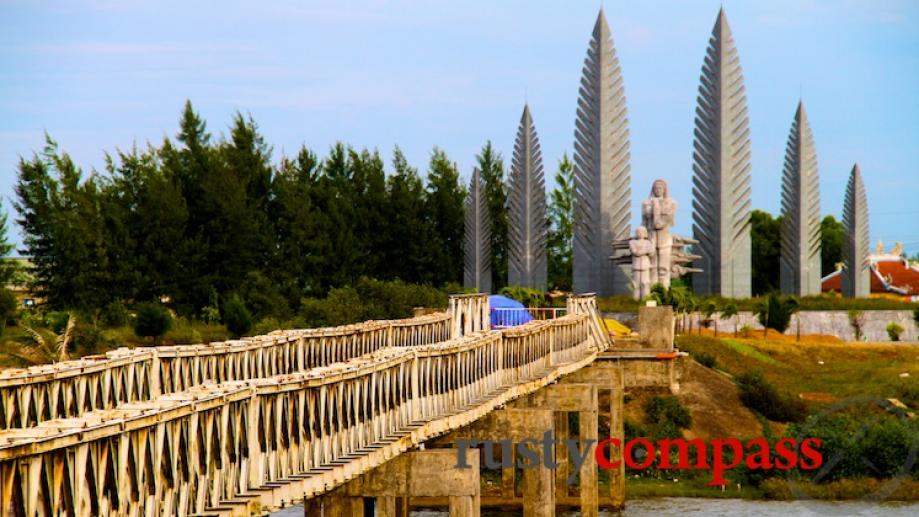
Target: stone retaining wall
831,323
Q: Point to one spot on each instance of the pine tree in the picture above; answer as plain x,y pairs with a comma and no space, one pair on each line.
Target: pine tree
301,247
7,267
64,233
369,182
491,167
189,166
151,208
336,197
445,207
561,232
407,253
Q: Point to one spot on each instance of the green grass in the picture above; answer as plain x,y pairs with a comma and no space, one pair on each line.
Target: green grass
847,369
749,351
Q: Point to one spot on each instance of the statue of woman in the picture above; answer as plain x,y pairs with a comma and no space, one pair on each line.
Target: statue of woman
658,214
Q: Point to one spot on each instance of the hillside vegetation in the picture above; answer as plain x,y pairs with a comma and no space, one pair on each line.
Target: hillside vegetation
820,386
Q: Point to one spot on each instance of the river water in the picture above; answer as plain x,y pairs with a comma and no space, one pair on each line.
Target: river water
688,506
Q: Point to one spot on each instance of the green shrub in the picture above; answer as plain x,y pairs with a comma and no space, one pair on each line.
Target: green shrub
894,330
152,320
368,299
525,295
759,395
776,310
89,340
115,314
343,305
882,450
183,332
236,316
857,322
268,325
668,409
916,315
56,321
705,359
210,313
908,393
746,331
263,298
311,313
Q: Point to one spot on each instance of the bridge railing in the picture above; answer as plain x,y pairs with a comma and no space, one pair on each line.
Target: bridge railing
32,395
215,445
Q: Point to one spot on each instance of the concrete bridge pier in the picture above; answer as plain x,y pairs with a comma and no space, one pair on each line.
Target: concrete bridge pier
405,481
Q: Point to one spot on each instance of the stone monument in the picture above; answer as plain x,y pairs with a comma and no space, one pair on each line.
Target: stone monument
656,255
477,238
658,214
602,177
721,172
527,231
641,248
799,267
856,276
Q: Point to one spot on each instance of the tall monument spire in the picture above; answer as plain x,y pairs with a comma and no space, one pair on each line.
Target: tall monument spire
856,280
800,261
721,166
527,229
477,238
603,193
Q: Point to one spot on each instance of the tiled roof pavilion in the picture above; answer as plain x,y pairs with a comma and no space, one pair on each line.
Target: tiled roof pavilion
891,274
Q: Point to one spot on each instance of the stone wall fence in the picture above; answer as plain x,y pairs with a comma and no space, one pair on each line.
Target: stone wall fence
830,323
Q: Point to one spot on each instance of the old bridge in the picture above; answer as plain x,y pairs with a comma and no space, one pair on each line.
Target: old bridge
344,419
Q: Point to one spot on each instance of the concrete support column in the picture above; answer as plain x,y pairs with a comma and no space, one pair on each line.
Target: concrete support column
464,506
589,490
385,506
508,482
538,490
428,473
312,508
561,454
616,430
342,506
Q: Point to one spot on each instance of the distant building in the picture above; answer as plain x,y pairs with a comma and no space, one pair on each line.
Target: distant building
891,275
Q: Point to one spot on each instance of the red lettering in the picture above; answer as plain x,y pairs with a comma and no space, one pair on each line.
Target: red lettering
811,453
759,459
719,466
665,444
785,450
601,457
629,458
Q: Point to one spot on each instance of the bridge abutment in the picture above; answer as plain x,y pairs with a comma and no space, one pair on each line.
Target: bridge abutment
410,479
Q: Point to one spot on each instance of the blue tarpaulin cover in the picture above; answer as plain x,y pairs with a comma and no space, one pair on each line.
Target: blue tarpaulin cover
511,311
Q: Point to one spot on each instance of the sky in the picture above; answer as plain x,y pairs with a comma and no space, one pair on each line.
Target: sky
101,75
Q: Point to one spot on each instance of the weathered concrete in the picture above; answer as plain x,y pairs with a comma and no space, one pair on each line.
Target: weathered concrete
856,280
602,171
721,167
655,326
799,267
428,473
828,323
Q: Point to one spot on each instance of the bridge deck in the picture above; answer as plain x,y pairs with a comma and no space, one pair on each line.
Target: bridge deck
237,446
